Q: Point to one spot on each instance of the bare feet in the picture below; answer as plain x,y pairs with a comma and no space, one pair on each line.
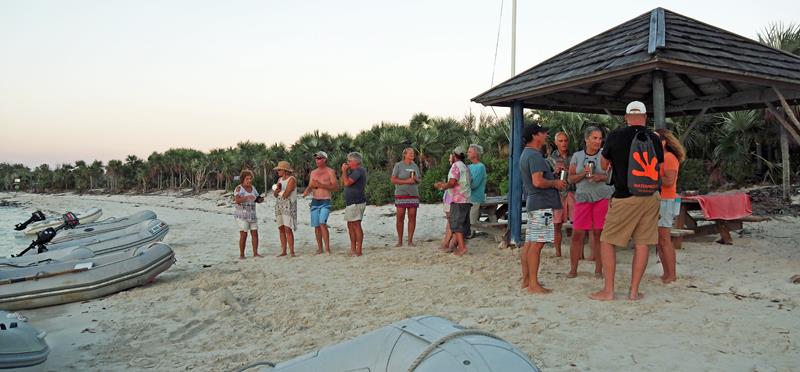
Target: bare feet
399,244
292,255
446,250
572,275
537,289
411,244
598,275
558,252
319,251
636,296
602,296
258,255
242,257
460,253
666,280
281,255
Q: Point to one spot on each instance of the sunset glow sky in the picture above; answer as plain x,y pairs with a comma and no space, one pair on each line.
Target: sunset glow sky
85,80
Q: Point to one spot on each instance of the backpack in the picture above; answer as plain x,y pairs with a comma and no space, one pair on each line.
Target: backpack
643,167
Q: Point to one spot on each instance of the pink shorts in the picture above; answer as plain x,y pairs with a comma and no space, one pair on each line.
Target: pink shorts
567,212
591,215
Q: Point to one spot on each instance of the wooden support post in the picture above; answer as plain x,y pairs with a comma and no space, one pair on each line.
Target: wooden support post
514,176
659,114
785,163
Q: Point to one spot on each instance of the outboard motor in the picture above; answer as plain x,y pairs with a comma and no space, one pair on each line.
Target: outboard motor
45,236
35,217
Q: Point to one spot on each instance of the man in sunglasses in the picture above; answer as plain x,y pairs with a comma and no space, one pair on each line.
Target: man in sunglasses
321,184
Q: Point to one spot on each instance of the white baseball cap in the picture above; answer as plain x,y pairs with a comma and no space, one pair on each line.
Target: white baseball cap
635,107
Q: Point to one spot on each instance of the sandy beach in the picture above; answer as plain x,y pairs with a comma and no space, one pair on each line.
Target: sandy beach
733,308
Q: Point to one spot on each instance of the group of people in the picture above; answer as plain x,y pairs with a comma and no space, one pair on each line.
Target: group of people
615,192
465,188
621,191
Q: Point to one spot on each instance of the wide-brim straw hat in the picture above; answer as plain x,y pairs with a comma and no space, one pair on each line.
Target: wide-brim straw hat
284,165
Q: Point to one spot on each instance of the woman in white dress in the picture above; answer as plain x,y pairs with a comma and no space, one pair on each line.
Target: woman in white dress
286,206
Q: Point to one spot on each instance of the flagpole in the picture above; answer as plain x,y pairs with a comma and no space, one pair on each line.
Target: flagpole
513,37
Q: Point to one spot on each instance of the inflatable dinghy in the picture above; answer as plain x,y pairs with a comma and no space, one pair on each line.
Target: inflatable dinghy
20,344
88,216
421,344
102,227
56,282
129,237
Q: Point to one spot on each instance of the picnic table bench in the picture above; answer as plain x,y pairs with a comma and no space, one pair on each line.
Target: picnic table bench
495,209
690,222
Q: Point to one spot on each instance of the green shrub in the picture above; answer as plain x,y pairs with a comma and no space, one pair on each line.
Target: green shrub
337,201
496,175
380,189
427,193
693,175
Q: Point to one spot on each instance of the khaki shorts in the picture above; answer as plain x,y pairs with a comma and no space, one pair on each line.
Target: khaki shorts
247,226
354,212
634,218
475,214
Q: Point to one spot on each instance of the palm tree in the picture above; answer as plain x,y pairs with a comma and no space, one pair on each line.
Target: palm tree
785,37
95,173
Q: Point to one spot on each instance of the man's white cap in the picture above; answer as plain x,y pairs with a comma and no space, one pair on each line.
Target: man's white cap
635,107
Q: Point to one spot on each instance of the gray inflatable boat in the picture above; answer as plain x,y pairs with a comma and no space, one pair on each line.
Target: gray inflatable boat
102,227
422,344
56,282
88,216
20,344
130,237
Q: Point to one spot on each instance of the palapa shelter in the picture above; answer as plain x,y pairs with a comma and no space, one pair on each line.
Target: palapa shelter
674,64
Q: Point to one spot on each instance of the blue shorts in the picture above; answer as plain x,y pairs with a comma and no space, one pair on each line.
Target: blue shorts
320,210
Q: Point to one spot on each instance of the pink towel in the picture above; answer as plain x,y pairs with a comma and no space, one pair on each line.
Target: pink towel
727,206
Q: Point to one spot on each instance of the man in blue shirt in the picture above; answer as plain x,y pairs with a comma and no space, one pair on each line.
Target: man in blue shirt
478,186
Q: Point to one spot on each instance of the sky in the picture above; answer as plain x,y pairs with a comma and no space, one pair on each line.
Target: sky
103,79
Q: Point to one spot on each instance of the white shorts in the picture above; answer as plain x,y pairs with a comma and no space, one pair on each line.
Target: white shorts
541,228
247,226
354,212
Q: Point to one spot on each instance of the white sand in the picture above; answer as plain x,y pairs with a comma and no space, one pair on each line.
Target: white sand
733,308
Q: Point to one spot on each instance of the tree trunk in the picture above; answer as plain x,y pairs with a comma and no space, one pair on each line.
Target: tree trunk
785,163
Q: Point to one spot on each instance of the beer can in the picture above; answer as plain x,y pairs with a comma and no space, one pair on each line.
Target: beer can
590,163
562,175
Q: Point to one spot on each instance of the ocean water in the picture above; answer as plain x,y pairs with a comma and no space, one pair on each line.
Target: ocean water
12,241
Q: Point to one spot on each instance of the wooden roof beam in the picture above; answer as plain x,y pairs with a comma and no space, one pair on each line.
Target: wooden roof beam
786,125
593,89
751,97
691,85
628,85
728,86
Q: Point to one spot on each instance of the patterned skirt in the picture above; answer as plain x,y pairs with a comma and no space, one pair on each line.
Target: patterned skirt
406,201
286,213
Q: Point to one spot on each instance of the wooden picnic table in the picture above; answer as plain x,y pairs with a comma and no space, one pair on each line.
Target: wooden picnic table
686,221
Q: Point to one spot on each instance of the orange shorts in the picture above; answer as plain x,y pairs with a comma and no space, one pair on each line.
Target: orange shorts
635,217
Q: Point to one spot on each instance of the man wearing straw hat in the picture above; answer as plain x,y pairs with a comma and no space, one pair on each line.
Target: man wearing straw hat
286,206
